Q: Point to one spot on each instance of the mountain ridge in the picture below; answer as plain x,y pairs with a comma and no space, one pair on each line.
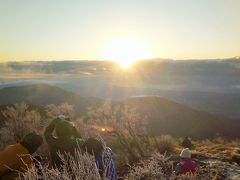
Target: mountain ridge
164,116
168,117
43,94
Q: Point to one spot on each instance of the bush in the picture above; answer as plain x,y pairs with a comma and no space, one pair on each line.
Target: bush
20,121
79,167
160,167
54,111
157,167
219,140
165,144
127,126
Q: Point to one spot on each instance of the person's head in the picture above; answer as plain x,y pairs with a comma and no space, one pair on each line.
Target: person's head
93,146
31,142
64,129
185,154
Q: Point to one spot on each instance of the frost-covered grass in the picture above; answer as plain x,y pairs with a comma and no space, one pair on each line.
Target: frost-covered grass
79,167
160,167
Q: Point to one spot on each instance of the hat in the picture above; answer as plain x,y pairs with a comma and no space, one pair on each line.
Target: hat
62,117
93,146
186,153
32,141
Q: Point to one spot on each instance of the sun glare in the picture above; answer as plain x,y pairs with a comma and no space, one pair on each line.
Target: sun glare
125,52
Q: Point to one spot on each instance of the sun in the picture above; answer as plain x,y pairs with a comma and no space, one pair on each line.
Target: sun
126,51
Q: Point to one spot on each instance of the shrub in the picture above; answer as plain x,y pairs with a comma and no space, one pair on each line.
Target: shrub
20,120
219,140
54,111
128,127
79,167
155,168
160,167
165,144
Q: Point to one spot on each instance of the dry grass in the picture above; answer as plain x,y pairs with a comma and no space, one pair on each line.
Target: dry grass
165,144
160,167
226,149
79,167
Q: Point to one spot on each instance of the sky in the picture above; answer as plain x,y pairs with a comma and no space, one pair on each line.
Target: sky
84,29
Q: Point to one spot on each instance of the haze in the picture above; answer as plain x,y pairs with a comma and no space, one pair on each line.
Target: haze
73,30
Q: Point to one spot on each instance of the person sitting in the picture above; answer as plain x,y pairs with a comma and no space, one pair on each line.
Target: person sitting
67,140
187,143
187,165
18,158
103,157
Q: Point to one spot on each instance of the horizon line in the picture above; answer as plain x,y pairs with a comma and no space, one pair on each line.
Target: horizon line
147,59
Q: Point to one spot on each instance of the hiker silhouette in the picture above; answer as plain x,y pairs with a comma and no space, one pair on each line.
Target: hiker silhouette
18,157
103,157
187,143
67,139
186,165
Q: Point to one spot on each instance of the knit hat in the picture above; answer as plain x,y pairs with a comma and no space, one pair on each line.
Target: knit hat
186,153
93,146
32,141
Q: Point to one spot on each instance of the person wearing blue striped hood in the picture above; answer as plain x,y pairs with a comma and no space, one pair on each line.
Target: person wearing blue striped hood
103,157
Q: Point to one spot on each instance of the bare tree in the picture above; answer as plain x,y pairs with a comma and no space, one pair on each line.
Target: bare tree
54,111
20,120
125,123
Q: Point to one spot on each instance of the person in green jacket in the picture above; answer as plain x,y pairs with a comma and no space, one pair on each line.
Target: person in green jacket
66,141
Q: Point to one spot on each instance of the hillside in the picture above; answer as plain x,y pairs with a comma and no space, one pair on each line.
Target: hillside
2,118
221,104
42,95
164,116
168,117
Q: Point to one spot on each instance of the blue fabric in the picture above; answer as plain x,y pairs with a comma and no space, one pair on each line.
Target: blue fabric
106,164
100,164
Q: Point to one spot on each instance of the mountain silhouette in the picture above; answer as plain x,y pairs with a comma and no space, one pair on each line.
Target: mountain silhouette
163,116
43,94
168,117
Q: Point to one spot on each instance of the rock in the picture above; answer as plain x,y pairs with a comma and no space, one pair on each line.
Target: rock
236,158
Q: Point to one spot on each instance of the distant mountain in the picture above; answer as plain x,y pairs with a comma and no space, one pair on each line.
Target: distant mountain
42,95
168,117
224,105
235,59
164,116
208,85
